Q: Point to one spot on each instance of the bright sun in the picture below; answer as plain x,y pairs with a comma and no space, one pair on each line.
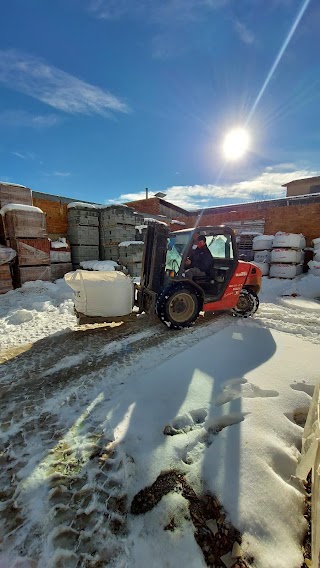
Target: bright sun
236,143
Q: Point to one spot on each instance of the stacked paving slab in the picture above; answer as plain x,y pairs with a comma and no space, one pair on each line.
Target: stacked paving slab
117,224
83,232
25,231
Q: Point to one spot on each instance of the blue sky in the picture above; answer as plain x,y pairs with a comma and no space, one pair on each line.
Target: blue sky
101,98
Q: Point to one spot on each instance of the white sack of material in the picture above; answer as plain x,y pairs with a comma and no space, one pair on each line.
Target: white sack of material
285,270
105,294
293,256
316,244
262,256
288,240
314,267
262,242
264,267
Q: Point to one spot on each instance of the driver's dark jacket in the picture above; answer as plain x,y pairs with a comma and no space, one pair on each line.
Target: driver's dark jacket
201,258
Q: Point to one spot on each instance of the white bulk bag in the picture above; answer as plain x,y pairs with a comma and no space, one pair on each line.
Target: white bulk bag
264,267
316,244
285,270
262,256
262,242
287,255
288,240
106,294
314,268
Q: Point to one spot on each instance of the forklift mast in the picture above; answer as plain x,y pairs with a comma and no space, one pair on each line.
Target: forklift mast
153,267
154,257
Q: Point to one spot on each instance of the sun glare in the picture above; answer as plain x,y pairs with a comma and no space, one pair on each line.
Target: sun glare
236,143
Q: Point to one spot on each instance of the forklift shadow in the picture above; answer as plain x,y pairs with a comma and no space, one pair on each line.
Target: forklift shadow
198,389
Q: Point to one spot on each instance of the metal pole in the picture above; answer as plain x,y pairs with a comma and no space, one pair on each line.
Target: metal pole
147,193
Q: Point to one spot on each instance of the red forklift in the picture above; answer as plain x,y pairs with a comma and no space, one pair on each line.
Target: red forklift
164,289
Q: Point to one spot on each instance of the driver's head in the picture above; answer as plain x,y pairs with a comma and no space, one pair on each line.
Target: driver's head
201,241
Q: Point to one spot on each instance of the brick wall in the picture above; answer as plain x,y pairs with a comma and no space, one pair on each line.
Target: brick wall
151,205
292,216
300,215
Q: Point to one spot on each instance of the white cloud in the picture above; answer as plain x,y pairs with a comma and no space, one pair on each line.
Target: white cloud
34,77
62,174
25,156
20,118
266,185
164,11
244,33
19,155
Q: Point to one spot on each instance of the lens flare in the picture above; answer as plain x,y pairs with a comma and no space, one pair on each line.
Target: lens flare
236,144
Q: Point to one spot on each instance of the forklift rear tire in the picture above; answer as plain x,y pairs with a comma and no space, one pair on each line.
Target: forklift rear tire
247,305
178,307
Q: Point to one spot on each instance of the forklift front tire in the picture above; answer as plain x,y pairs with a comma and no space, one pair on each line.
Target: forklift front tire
178,307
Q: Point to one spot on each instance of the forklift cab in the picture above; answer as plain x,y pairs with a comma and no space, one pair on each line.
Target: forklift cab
222,246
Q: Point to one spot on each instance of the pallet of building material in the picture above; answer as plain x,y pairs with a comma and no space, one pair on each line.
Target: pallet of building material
84,252
134,268
83,217
109,252
24,274
117,233
23,221
83,235
60,269
31,252
246,240
131,251
10,193
117,214
5,278
58,256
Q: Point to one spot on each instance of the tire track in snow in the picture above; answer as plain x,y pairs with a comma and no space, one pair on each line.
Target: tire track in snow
64,482
305,325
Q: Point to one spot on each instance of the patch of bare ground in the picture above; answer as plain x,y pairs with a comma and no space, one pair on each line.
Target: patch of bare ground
214,534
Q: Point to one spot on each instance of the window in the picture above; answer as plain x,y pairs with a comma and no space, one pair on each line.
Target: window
220,246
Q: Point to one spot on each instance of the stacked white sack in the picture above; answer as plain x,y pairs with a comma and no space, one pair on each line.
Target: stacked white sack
314,265
262,245
287,255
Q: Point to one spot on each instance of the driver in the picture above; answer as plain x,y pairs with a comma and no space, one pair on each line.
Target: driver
200,260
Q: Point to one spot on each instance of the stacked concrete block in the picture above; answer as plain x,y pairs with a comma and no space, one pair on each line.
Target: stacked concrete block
130,256
287,255
141,229
25,231
117,224
83,232
60,258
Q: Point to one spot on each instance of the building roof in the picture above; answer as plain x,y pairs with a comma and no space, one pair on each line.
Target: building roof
316,179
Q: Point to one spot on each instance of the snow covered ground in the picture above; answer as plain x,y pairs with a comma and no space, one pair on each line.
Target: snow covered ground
92,417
